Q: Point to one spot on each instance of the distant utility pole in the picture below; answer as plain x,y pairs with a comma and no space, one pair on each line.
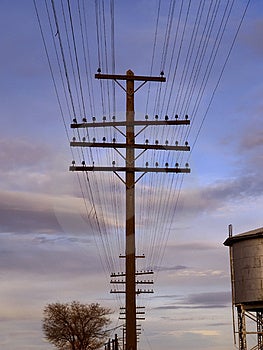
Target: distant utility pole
130,169
112,344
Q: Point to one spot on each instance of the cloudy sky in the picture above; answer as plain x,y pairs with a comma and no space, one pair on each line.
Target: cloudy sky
49,250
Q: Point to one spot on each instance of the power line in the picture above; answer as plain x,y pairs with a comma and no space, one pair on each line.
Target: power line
188,44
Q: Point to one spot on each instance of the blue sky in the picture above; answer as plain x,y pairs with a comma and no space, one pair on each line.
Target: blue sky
48,251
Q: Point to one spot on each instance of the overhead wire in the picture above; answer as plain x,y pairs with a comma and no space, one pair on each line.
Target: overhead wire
163,63
99,35
188,62
87,59
189,54
159,207
216,86
110,153
220,76
213,94
58,97
198,68
199,61
153,53
100,198
103,57
154,131
178,55
116,185
162,210
213,55
63,59
77,60
165,238
72,65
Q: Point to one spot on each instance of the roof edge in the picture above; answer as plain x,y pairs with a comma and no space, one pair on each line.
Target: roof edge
257,233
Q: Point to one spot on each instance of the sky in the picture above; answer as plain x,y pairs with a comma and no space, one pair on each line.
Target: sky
47,252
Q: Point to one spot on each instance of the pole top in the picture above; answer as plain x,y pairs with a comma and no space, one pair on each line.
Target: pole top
129,76
129,72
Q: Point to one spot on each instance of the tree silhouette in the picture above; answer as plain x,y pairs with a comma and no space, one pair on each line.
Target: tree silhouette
76,326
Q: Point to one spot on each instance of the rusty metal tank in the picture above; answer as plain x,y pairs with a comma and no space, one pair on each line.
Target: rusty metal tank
246,259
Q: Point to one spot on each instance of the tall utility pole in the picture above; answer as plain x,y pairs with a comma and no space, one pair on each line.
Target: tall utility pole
130,169
131,338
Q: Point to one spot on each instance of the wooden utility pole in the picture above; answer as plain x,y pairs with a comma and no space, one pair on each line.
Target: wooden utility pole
131,338
130,169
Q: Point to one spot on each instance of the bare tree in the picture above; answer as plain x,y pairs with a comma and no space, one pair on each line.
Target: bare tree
76,326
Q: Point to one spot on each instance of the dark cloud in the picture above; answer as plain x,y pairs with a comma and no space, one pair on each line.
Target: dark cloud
26,254
29,213
218,324
220,299
252,37
231,190
33,166
168,296
205,300
192,307
252,139
28,166
17,154
193,256
22,212
221,193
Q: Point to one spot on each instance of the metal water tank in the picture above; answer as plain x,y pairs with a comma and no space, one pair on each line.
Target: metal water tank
246,258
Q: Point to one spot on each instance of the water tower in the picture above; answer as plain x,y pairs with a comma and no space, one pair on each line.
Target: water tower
246,266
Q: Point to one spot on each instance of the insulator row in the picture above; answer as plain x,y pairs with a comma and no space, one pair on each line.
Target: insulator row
137,313
144,282
84,120
117,274
146,164
143,272
137,282
167,165
146,141
104,118
117,291
166,117
136,256
139,291
137,307
117,281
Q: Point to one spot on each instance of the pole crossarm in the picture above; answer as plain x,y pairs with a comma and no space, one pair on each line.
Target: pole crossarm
137,313
127,169
129,77
137,273
136,123
124,145
138,291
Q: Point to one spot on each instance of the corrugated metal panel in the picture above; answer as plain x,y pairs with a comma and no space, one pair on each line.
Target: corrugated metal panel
247,267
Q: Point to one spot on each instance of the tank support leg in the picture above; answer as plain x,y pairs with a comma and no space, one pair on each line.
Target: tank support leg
241,328
260,330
